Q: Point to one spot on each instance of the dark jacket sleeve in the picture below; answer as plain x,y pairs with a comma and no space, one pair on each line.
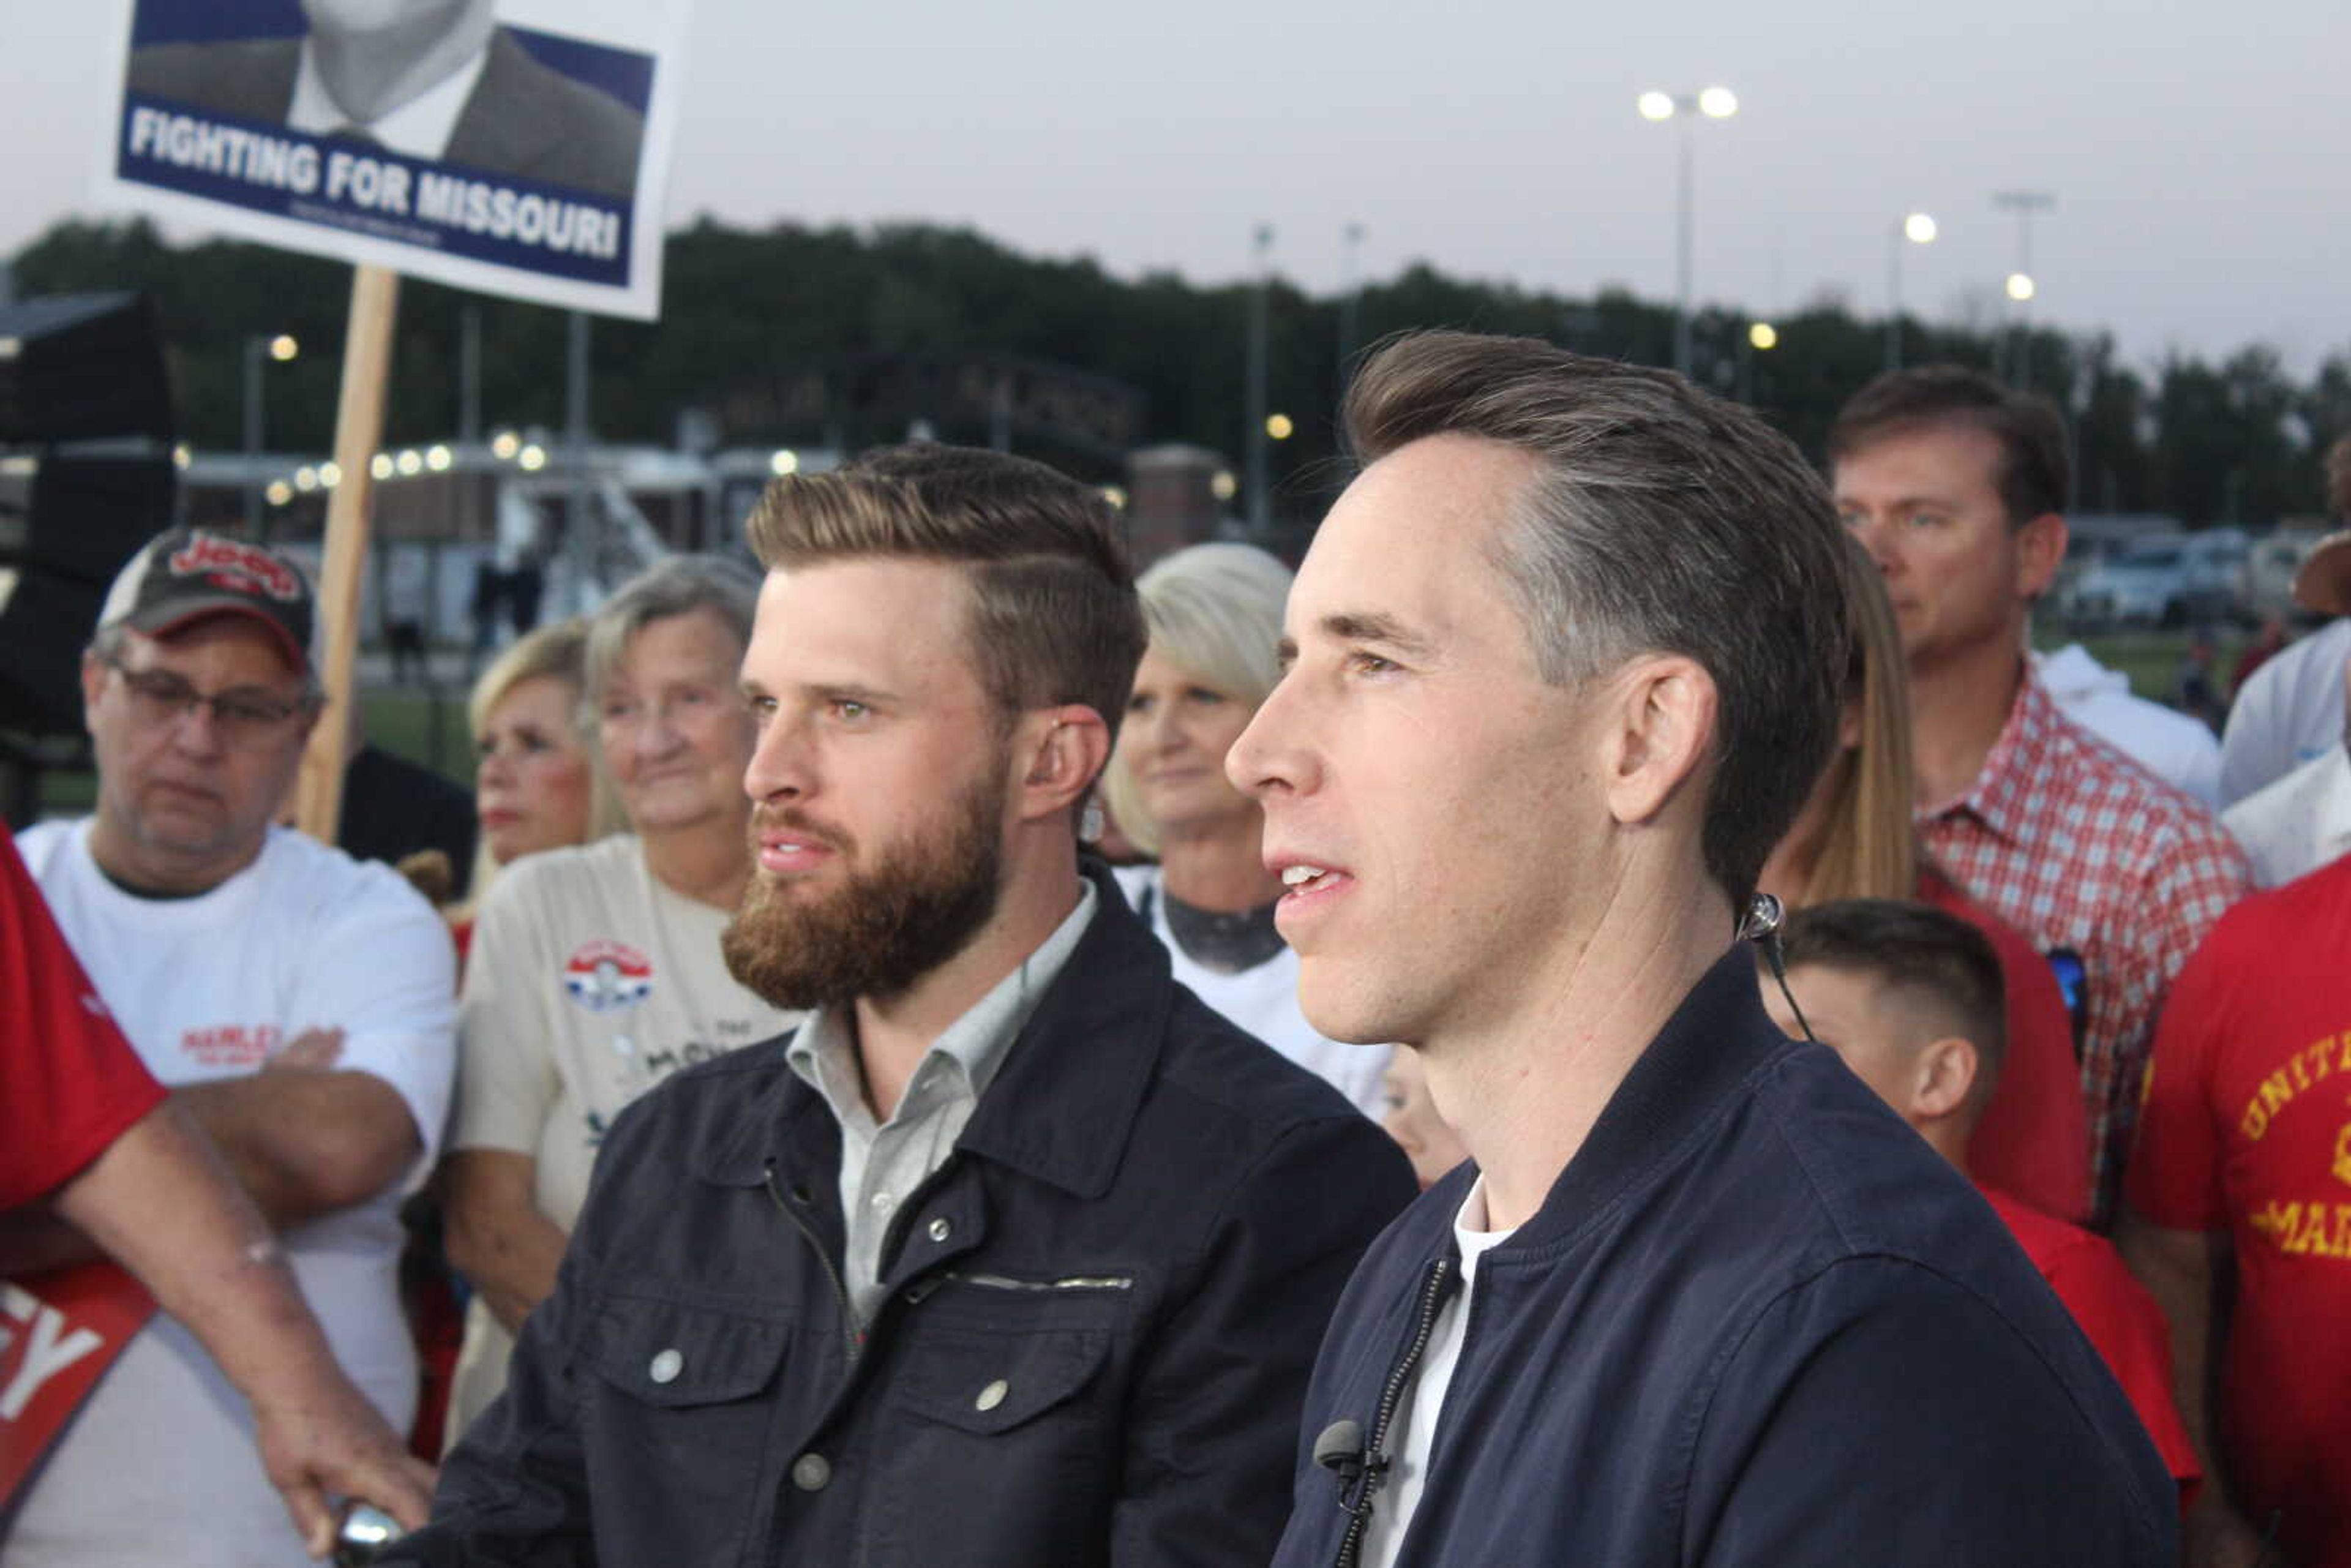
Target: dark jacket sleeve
1208,1474
513,1491
1880,1414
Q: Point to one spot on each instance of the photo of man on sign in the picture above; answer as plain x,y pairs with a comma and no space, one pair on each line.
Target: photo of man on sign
435,80
507,146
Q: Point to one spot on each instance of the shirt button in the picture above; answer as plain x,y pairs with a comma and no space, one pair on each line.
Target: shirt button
941,1230
882,1203
811,1472
666,1366
992,1396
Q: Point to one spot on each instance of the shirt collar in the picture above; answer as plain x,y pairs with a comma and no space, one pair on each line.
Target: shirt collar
964,1057
420,128
2002,788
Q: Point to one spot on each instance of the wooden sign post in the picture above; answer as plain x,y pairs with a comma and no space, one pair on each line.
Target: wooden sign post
359,432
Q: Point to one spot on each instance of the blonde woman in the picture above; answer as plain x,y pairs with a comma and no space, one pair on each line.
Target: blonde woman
535,782
1853,838
1215,617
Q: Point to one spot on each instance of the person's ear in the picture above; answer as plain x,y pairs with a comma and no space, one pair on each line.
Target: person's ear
1658,727
1060,751
2040,551
1944,1078
93,685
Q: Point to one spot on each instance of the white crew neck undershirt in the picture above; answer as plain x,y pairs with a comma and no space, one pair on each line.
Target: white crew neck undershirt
1424,1403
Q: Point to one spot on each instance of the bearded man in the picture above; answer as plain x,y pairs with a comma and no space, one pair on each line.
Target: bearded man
1014,1252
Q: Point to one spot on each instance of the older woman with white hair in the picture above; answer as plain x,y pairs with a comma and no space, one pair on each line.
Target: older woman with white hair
596,971
1214,618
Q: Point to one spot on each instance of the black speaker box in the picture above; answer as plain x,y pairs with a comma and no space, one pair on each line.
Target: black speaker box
75,366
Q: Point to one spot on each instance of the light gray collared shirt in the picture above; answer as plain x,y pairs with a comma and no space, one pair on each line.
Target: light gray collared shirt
880,1166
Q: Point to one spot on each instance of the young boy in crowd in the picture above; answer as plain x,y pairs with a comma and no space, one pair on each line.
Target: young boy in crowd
1911,998
1411,1118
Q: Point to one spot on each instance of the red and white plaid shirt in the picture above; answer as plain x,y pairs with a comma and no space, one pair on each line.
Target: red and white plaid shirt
2079,847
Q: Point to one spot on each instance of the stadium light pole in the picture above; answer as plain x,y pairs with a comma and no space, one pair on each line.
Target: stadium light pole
1915,228
1713,103
1351,297
2022,284
1259,503
280,347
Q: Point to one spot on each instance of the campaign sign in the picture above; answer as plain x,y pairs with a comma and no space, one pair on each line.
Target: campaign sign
516,147
59,1333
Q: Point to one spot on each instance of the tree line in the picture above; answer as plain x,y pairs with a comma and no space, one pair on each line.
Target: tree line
2234,440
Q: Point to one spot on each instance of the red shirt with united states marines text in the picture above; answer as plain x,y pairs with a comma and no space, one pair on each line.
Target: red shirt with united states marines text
2247,1128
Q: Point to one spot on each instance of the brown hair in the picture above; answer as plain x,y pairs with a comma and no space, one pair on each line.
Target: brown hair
2036,473
1866,846
1054,617
1661,519
1932,957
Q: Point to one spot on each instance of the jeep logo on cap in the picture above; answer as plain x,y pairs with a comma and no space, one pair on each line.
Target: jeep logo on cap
206,555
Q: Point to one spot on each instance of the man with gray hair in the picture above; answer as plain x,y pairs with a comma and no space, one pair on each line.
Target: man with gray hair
1563,664
595,972
297,1003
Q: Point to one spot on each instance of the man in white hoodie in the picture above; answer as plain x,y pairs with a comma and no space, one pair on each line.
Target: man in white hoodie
2169,744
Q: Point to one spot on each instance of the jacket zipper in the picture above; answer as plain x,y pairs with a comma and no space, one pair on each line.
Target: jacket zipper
1432,1302
840,1291
1074,1283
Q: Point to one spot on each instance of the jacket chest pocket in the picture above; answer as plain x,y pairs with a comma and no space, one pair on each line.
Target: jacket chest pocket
676,1414
1005,1446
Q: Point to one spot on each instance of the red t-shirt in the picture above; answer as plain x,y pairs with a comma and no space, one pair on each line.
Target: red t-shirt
2035,1138
69,1084
2116,1315
2247,1128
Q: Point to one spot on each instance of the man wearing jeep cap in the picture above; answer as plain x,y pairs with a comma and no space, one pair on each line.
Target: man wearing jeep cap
299,1005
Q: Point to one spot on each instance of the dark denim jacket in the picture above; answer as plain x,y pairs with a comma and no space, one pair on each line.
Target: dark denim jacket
1101,1312
1757,1321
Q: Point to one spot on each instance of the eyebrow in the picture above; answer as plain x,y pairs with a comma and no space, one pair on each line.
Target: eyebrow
823,691
1375,626
1362,626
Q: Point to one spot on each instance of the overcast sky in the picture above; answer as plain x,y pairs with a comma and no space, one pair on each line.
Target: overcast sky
2200,154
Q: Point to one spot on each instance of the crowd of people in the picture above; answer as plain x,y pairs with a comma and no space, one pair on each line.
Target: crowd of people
1869,1091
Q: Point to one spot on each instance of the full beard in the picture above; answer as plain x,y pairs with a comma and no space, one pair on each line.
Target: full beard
884,928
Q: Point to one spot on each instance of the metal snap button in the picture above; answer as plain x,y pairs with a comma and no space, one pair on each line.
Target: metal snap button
811,1472
941,1230
992,1396
666,1366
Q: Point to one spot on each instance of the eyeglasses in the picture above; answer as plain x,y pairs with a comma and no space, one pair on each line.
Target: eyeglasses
242,719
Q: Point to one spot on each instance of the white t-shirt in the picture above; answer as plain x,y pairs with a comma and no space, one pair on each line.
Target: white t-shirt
160,1465
2176,748
1423,1405
1264,1003
588,982
2290,712
2298,823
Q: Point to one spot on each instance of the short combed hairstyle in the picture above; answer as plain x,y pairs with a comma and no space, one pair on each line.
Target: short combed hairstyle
1661,520
2036,470
1054,617
1214,611
1932,957
674,586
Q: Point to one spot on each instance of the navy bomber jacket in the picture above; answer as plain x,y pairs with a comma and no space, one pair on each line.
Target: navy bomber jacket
1757,1321
1101,1311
